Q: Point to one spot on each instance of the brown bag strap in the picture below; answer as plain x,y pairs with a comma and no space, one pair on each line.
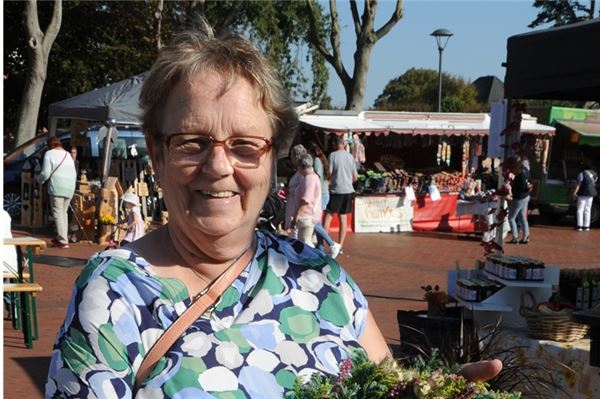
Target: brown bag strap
200,304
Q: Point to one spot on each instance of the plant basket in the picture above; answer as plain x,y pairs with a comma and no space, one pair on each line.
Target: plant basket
551,326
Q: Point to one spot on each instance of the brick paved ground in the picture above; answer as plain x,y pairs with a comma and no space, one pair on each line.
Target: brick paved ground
385,265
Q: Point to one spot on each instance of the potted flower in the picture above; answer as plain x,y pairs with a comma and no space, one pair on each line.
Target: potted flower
106,222
436,300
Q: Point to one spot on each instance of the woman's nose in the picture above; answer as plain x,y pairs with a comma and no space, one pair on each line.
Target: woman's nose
217,163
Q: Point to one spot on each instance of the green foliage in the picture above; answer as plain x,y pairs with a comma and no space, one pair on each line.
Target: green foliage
417,90
360,378
560,12
102,42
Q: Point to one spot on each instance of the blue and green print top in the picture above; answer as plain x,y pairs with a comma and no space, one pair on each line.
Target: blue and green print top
291,312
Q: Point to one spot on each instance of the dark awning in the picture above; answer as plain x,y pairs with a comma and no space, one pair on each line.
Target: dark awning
556,63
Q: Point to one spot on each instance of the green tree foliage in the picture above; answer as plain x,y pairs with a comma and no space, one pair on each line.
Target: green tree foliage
102,42
417,90
562,12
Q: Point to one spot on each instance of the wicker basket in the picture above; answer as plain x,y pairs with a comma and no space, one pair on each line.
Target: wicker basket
554,327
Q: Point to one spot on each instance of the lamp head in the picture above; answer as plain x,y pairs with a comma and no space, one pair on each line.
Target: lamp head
440,35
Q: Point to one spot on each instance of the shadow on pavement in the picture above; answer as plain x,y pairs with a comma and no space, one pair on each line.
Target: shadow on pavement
61,261
37,369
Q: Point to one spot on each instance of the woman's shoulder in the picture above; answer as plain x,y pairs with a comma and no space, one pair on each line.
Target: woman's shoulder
110,265
297,257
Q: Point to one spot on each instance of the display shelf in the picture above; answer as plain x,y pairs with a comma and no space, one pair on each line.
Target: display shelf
519,283
484,306
503,306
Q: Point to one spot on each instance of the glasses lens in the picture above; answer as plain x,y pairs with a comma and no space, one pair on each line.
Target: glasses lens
189,145
246,151
243,152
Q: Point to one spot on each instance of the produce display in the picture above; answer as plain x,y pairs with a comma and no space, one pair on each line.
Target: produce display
395,181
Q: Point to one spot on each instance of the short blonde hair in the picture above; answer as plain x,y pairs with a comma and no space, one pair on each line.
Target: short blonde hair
232,56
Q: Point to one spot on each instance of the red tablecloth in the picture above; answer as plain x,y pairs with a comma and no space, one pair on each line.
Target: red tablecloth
440,215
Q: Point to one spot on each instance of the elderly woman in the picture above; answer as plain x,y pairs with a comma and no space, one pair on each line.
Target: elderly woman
214,115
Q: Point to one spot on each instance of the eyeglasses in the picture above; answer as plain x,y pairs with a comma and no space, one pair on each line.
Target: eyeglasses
246,152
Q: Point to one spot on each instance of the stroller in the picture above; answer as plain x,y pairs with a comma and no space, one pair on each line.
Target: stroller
272,213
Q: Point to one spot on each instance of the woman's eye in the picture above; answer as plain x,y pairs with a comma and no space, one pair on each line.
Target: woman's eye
243,143
191,145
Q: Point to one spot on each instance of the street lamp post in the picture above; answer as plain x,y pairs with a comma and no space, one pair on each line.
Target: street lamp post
440,35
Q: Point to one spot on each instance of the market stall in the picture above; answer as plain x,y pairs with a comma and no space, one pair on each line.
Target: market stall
433,155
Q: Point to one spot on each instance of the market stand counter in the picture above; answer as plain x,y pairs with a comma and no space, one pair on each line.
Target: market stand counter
440,215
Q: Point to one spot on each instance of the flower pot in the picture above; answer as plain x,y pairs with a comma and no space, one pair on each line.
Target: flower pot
435,309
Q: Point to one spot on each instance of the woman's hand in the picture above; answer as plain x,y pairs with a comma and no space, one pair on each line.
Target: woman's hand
481,371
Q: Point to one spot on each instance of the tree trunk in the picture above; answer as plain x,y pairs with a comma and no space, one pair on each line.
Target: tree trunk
366,37
356,94
40,44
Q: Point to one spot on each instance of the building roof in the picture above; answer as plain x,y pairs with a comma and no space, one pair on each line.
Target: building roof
490,89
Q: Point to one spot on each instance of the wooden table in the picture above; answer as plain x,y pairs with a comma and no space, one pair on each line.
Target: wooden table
28,317
591,317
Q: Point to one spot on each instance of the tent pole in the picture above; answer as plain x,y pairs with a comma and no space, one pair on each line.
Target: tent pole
52,121
106,156
502,199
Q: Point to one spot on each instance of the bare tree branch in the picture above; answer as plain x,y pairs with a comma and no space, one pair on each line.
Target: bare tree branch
355,17
53,27
394,18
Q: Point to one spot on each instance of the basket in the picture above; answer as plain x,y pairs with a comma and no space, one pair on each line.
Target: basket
554,327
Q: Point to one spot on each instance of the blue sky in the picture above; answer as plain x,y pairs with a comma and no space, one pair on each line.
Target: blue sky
478,47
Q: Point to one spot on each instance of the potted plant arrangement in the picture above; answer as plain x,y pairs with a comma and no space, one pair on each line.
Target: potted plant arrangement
360,378
436,300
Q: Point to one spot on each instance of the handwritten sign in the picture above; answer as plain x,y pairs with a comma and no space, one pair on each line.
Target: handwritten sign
376,214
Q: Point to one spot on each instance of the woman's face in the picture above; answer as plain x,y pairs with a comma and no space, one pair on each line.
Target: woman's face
214,198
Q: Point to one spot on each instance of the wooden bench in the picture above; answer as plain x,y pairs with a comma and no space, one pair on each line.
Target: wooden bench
22,287
15,276
25,310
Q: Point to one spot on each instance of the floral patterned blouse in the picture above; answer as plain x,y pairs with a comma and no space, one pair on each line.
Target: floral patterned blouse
291,312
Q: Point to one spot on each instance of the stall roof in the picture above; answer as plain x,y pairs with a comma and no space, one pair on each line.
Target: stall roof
556,63
118,102
414,123
341,124
588,131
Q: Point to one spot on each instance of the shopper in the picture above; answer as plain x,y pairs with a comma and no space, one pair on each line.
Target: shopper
321,167
58,169
343,173
308,211
517,211
291,205
584,193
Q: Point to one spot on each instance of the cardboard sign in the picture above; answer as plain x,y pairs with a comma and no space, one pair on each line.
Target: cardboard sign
385,213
